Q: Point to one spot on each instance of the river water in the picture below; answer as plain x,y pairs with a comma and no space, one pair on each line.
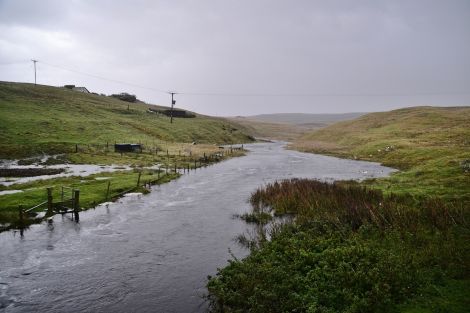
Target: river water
151,253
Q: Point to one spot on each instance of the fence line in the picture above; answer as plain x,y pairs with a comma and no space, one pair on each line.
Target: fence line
61,208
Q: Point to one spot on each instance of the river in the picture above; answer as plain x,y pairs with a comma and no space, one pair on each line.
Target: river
151,253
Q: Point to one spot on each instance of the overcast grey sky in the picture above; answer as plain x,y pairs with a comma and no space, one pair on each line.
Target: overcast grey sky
255,56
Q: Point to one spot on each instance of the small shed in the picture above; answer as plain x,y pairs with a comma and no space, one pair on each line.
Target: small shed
81,89
127,147
75,88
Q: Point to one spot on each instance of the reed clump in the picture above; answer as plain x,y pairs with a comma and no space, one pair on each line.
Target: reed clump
354,206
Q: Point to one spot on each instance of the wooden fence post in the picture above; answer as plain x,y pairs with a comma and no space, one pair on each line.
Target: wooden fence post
138,179
107,190
76,148
49,201
76,200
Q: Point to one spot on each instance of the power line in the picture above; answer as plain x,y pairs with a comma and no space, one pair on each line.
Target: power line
229,94
326,94
105,78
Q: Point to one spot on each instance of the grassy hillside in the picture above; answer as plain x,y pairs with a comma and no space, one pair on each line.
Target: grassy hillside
36,119
288,126
431,145
277,131
317,120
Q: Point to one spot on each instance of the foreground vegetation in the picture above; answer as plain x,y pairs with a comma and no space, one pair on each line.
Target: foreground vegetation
430,145
349,249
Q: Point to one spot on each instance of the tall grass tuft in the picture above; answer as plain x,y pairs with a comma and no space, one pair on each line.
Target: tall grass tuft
354,206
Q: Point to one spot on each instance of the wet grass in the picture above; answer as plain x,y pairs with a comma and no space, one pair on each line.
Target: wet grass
167,155
93,190
349,249
256,217
356,205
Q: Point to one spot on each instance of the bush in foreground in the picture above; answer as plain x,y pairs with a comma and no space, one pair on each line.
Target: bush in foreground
348,250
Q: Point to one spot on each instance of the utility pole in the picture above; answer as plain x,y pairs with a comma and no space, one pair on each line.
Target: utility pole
173,102
34,61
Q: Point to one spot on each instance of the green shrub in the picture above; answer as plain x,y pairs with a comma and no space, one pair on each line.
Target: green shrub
348,250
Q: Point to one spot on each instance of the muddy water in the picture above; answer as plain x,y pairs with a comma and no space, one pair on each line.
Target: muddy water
151,253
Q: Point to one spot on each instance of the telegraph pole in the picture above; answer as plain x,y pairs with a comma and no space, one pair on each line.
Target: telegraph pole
34,61
173,102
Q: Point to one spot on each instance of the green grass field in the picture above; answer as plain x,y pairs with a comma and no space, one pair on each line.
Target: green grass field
44,119
430,145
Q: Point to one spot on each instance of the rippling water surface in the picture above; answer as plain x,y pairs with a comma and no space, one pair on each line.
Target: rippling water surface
151,253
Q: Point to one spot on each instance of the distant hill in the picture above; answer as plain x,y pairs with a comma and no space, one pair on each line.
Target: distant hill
36,119
288,126
304,118
432,145
274,131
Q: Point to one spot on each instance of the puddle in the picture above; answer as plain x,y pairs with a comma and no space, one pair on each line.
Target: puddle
81,170
9,192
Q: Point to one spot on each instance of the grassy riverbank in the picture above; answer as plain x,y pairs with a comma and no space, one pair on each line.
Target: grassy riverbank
401,246
430,145
93,190
350,249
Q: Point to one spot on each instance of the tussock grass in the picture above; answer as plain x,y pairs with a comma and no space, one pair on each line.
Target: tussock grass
356,206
